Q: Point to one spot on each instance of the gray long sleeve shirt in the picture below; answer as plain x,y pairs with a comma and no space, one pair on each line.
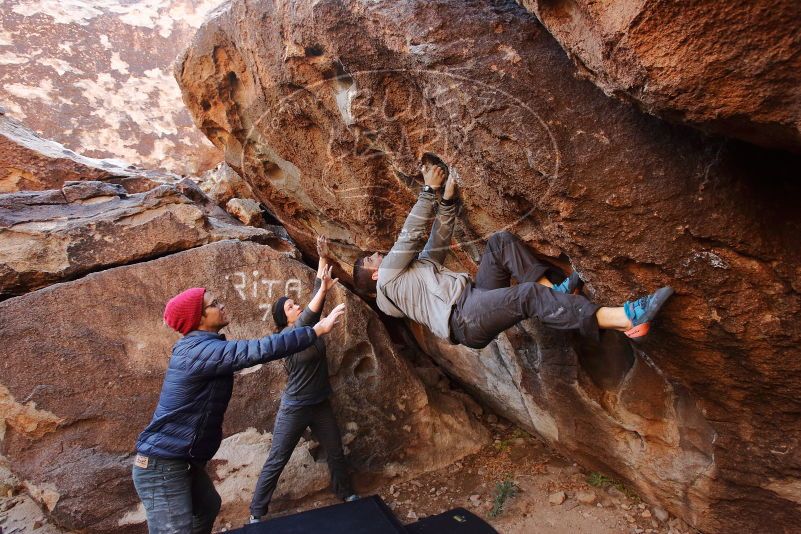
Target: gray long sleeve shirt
412,282
307,370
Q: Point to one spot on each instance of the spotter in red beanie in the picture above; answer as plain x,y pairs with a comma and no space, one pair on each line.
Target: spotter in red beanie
183,311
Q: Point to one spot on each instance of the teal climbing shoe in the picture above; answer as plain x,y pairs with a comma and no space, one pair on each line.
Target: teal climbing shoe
643,310
570,285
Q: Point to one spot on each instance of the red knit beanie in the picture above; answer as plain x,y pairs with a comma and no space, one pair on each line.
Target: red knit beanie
183,311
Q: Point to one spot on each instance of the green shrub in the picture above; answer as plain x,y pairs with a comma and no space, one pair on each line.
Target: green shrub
503,491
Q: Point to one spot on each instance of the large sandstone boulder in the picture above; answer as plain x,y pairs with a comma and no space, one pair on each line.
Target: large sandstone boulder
84,361
29,162
51,236
580,395
325,107
95,76
732,68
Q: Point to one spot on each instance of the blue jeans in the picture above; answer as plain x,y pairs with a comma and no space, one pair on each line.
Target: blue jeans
179,496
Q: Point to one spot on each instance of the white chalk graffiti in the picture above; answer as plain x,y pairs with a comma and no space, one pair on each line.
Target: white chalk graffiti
252,287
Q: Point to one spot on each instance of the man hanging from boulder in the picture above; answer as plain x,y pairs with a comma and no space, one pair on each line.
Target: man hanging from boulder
411,281
169,471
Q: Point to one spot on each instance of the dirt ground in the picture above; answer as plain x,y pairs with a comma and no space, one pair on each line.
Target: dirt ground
538,475
550,495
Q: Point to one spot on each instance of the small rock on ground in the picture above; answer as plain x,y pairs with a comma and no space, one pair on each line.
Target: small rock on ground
661,514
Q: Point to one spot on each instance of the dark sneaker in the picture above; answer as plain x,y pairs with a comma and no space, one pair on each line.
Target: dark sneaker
253,519
642,311
570,285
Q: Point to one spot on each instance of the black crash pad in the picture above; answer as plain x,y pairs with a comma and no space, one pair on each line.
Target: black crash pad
456,521
369,515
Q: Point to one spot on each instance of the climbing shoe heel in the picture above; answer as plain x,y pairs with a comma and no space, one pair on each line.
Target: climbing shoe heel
638,332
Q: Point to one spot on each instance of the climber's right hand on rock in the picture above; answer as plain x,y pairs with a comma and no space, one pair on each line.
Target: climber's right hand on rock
327,324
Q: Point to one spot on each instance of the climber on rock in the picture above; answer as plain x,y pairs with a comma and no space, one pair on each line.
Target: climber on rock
304,402
411,281
169,471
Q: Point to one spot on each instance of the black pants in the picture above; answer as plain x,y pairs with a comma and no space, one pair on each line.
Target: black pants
491,306
290,424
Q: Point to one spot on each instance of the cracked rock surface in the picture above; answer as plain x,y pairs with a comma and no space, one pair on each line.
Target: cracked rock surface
57,235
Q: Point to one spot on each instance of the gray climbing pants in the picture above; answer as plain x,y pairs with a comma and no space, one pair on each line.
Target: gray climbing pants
490,306
290,423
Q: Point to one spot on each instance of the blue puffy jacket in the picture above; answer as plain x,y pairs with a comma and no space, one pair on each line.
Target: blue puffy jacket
188,420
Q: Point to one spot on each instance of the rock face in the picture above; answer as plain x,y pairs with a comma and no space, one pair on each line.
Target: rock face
325,107
57,235
222,184
734,70
25,515
94,76
580,395
246,210
229,191
84,361
29,162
